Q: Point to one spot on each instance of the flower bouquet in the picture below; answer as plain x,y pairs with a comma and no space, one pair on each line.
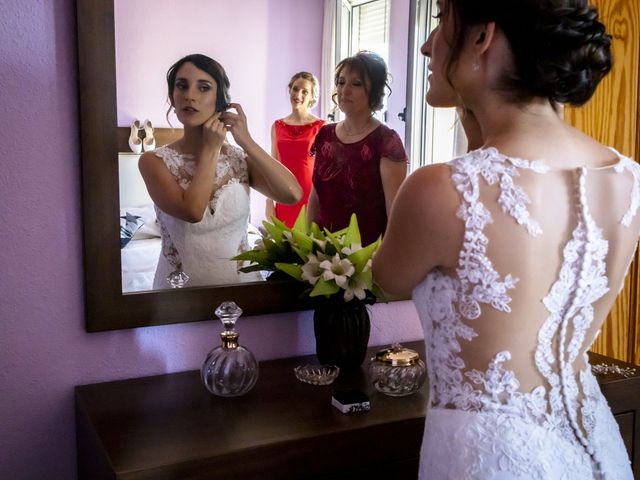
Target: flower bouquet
337,269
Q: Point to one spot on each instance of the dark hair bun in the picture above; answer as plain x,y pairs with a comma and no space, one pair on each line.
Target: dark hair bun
573,54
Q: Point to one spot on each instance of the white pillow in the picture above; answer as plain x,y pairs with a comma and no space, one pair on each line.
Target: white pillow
129,225
151,228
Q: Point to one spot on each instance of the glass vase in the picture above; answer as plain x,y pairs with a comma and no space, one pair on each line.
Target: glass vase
230,370
342,332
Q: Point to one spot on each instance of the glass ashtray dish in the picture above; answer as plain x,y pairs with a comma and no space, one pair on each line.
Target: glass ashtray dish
317,374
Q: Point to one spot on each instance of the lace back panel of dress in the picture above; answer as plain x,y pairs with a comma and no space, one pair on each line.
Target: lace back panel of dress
451,304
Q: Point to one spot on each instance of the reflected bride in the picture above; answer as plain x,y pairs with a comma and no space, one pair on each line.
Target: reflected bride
200,184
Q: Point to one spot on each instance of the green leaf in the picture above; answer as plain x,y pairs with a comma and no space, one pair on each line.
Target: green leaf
249,255
367,278
352,234
277,250
315,231
304,242
334,239
255,268
377,291
301,222
302,254
324,287
360,257
274,230
280,224
291,269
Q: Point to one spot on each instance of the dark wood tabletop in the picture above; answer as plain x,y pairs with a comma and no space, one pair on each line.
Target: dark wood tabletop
170,427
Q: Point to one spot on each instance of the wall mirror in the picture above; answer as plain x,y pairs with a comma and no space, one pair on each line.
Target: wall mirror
107,308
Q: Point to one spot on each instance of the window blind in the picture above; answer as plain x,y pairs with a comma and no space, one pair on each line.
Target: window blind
372,24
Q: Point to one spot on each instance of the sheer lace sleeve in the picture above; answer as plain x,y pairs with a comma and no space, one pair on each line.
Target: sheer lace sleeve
319,139
392,147
628,164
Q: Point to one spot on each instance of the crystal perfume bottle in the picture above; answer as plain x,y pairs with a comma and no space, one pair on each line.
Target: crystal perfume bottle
230,370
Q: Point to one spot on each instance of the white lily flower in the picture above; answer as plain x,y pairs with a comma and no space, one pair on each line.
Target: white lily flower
353,248
321,243
356,287
311,270
337,269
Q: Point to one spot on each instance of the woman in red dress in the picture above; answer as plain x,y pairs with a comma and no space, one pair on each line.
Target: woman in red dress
291,140
359,162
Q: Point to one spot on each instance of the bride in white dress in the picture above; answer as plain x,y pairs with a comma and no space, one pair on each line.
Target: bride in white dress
515,252
200,184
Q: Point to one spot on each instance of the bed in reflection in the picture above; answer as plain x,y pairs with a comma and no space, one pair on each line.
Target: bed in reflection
139,257
140,242
139,263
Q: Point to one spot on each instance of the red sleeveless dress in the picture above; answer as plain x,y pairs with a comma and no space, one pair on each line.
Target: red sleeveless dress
293,144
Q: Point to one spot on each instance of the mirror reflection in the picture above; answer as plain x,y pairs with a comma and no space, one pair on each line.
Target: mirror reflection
201,172
359,162
292,138
259,56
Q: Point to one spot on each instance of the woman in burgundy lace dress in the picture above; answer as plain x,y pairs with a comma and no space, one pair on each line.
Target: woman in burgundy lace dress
359,162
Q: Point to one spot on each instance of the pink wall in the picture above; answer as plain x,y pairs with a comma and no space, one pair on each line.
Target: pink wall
285,36
44,350
259,51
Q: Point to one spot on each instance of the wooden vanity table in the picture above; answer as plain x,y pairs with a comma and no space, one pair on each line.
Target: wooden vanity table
170,427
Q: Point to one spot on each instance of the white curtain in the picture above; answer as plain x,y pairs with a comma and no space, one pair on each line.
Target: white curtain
328,57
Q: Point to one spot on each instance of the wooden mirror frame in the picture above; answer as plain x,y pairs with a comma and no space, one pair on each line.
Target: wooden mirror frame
107,308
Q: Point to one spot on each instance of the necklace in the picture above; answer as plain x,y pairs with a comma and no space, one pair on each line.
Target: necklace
359,132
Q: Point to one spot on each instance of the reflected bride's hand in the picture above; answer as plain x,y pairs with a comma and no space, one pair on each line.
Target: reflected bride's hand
236,123
214,132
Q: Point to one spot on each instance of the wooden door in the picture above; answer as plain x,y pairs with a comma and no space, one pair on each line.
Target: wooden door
612,116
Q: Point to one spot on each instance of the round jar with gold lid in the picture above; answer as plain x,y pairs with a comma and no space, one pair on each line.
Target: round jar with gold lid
397,371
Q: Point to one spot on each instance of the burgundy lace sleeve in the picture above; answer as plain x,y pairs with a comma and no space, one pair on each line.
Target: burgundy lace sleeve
317,140
392,146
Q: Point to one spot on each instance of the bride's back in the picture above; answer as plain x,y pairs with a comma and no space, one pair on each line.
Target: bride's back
572,238
514,262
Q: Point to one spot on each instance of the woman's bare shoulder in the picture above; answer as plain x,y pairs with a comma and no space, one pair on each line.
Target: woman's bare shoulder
429,201
429,181
149,159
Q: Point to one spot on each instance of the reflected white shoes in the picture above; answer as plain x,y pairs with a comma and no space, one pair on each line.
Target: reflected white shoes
147,142
135,142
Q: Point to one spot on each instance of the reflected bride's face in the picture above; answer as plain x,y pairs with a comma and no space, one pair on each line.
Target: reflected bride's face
194,95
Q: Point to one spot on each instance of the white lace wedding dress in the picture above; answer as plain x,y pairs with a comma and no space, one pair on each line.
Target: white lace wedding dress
512,395
203,250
